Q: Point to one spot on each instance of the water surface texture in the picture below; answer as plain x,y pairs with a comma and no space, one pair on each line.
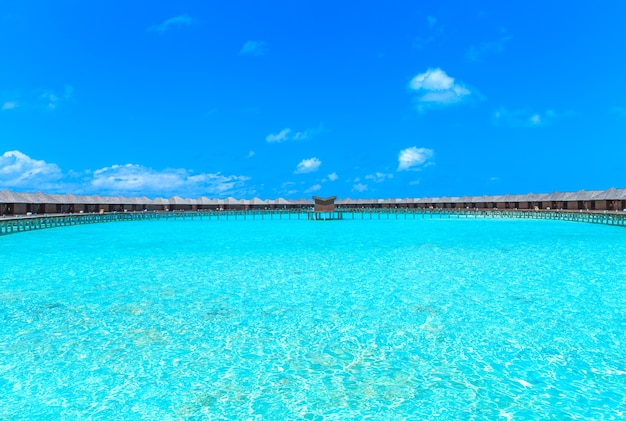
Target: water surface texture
268,320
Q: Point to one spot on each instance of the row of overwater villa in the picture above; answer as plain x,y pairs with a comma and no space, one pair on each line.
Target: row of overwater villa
14,203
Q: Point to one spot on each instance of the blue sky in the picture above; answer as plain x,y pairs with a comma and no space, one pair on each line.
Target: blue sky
292,98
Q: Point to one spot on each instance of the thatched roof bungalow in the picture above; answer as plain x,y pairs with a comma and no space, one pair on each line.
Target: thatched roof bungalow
611,199
204,203
160,204
12,203
256,203
177,203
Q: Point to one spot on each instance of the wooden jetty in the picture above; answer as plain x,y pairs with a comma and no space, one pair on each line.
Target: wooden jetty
325,216
36,222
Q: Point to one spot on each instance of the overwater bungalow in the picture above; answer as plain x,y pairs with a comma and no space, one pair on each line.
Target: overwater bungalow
14,203
204,203
160,204
257,203
177,203
611,199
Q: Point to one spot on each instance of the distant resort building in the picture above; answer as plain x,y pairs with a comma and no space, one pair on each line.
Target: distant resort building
13,203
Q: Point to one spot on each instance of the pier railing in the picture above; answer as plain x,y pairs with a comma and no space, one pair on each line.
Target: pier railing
36,222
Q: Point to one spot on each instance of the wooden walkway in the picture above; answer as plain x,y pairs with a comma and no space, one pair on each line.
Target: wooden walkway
30,223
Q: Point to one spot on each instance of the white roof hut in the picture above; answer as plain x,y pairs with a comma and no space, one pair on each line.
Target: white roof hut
231,201
257,202
177,200
14,197
159,201
205,201
611,194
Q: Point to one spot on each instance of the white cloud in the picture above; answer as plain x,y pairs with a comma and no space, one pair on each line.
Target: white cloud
308,165
18,170
522,118
177,21
8,105
432,80
333,176
254,48
378,177
435,87
286,135
359,187
250,154
413,157
137,179
281,136
313,188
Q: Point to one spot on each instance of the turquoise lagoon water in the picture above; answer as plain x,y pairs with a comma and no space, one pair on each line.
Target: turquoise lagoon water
269,320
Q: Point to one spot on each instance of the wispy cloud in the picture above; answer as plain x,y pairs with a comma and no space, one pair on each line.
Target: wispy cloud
522,118
308,165
46,100
51,100
413,158
435,88
332,176
313,188
8,105
286,135
254,48
422,42
475,52
250,154
378,177
359,187
171,23
19,171
279,137
434,30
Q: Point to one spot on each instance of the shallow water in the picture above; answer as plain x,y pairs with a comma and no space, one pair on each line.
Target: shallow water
386,319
